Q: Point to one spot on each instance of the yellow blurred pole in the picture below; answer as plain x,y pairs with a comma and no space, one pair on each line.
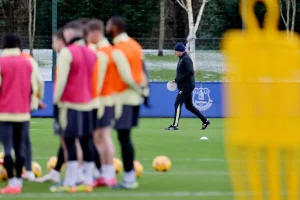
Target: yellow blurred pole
254,174
263,98
239,186
292,174
273,173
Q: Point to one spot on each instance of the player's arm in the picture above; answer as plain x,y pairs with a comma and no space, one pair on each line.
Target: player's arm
37,77
123,67
63,66
145,83
0,77
103,64
146,89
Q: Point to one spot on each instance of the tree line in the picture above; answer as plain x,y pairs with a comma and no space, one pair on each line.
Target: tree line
143,16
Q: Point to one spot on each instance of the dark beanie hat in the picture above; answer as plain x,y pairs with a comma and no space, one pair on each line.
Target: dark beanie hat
179,47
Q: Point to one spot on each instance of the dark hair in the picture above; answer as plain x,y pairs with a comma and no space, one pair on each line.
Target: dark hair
11,40
95,25
60,35
119,22
74,25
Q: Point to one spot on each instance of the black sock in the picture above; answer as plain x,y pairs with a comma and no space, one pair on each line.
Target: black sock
87,146
19,166
96,156
60,159
127,149
9,166
71,148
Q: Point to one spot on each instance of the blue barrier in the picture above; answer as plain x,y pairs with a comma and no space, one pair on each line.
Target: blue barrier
207,97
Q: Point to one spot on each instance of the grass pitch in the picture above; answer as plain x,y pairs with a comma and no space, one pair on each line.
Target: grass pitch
168,75
198,170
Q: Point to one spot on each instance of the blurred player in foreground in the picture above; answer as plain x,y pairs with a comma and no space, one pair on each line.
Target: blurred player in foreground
58,43
107,72
129,83
96,159
36,103
185,79
91,39
74,103
18,75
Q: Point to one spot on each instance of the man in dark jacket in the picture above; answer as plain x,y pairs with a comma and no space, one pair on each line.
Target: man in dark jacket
185,80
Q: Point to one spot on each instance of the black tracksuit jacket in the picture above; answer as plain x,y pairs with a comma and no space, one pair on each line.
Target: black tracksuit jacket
185,78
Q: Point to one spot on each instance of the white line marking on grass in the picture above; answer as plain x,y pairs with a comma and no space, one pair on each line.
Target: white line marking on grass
33,122
121,195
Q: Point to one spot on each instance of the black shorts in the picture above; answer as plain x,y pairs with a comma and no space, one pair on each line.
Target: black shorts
106,119
129,117
74,123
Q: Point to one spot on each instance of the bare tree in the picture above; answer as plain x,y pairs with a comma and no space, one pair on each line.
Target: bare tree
31,24
193,27
10,13
294,5
287,20
161,28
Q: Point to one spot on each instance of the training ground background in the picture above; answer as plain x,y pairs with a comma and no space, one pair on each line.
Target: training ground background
209,64
198,167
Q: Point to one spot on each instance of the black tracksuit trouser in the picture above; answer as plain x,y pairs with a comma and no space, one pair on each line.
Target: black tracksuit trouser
186,97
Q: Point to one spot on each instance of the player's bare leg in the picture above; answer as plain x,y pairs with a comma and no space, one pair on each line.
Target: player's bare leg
105,145
80,177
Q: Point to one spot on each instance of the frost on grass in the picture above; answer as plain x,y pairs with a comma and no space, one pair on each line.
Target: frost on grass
210,61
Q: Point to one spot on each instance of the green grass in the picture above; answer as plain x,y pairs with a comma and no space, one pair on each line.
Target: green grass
168,75
165,58
198,167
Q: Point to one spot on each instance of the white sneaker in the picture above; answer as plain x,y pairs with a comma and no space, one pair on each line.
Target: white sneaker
53,176
80,176
29,175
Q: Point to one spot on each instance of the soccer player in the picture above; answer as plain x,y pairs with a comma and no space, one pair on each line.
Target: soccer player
97,162
74,103
102,136
17,84
90,39
185,80
129,92
58,43
36,103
